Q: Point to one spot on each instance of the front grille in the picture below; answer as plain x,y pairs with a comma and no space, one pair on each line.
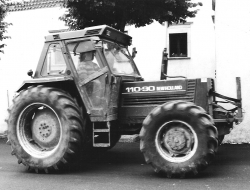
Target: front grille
92,32
157,99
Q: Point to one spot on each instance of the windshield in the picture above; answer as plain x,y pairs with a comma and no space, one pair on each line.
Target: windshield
118,59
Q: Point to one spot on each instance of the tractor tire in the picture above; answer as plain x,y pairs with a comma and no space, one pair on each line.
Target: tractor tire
178,139
45,128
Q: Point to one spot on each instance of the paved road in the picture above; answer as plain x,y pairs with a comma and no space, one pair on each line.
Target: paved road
123,168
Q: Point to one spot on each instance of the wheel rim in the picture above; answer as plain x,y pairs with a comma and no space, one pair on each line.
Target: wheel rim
39,130
176,141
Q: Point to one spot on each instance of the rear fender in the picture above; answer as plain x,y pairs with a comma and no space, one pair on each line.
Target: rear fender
65,83
42,81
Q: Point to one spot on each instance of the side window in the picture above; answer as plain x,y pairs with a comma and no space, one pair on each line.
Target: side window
54,63
118,59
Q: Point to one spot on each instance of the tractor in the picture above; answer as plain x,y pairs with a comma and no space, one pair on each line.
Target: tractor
87,91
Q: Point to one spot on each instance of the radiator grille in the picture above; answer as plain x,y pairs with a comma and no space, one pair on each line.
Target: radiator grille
157,99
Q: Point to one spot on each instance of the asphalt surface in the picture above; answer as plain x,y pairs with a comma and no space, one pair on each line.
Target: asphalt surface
123,168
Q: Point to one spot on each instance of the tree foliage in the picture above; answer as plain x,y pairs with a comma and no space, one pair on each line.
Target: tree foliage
3,25
119,13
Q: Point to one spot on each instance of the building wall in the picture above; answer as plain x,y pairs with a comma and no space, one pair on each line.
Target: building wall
23,49
149,42
232,57
152,39
201,46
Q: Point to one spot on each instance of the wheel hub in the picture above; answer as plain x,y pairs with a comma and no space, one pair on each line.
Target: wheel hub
44,128
176,141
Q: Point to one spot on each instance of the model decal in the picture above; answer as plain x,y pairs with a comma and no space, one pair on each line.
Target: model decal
153,88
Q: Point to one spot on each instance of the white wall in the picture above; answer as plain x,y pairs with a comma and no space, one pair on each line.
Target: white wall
152,39
201,48
232,57
23,49
149,42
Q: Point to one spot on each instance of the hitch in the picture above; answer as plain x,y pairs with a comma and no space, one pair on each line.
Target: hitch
232,115
239,115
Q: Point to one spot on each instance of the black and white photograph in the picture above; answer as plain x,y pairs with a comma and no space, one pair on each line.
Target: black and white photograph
124,94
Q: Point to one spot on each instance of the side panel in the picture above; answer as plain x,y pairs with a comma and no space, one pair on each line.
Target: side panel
202,97
169,87
136,105
114,97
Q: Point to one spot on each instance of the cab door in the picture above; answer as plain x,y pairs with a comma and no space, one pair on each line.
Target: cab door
93,78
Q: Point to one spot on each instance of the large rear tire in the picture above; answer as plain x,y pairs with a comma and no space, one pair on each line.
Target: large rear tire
45,128
178,139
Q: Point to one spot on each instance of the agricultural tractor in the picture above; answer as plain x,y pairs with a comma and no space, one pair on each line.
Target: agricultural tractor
87,91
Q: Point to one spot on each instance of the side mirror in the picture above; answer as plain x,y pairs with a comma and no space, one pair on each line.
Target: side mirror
134,52
30,73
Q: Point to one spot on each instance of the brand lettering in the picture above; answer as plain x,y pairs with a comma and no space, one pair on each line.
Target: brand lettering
167,88
153,88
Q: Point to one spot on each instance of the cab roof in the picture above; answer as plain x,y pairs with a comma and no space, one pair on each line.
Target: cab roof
102,31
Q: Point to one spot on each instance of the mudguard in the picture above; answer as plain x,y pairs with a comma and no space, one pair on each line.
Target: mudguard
41,81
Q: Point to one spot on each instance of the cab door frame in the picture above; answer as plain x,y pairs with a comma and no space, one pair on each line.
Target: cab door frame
100,114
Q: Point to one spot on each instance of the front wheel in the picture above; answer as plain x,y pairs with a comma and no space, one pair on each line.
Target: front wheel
220,139
178,139
45,128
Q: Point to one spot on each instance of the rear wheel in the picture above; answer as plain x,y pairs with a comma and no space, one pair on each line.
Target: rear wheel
178,139
45,128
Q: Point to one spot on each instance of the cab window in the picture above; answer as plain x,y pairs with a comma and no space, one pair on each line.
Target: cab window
84,56
119,59
54,63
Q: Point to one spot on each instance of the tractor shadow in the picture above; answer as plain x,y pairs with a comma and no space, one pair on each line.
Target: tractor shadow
122,156
230,160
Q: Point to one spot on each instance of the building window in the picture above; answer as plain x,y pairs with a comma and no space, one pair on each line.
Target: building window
178,45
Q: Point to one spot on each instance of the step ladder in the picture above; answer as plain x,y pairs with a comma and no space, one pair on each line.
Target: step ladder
101,134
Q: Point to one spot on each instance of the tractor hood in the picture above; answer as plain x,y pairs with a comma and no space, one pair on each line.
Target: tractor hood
157,92
139,98
156,87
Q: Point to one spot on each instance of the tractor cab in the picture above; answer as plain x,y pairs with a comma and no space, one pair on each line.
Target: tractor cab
97,59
